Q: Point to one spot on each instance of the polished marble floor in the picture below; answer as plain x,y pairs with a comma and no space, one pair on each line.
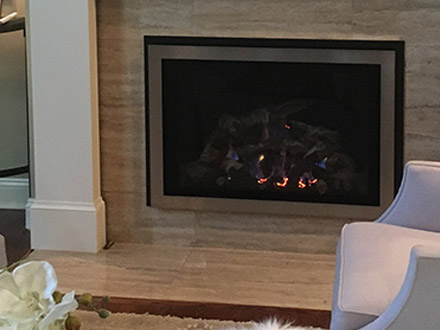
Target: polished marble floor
260,278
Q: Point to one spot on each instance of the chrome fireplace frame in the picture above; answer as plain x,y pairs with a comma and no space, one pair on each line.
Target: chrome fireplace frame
388,54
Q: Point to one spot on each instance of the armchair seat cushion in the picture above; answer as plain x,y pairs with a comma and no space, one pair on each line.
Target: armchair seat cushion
374,258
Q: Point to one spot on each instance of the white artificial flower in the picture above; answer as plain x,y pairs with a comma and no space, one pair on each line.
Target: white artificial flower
26,301
59,312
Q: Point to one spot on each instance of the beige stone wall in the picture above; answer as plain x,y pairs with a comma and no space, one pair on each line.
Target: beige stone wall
121,27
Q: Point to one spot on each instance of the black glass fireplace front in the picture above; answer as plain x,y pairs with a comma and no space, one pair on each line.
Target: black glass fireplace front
276,125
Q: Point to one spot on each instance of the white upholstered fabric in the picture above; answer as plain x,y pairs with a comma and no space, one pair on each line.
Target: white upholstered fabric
417,304
374,261
3,260
342,320
373,258
417,204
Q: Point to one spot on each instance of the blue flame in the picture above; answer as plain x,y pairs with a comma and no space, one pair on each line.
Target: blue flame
322,164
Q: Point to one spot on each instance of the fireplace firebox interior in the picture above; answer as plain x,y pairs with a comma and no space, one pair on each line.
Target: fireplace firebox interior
277,131
286,124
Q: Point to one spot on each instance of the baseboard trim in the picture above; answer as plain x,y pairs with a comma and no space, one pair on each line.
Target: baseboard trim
66,226
14,193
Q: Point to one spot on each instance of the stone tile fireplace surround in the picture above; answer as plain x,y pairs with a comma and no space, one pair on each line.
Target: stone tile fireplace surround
121,25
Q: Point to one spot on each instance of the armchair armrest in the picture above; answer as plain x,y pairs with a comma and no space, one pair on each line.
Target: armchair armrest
417,304
417,204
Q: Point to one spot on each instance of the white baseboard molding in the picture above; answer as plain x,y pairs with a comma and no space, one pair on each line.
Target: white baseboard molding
14,193
66,226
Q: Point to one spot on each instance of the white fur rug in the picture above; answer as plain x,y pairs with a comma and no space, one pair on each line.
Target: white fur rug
271,324
118,321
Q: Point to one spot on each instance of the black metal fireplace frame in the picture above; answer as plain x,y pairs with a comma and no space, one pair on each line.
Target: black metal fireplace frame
396,46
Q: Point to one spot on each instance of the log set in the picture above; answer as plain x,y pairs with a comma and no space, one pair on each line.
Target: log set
267,149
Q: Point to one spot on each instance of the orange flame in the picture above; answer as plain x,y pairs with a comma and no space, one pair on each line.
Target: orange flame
312,181
284,183
262,180
301,184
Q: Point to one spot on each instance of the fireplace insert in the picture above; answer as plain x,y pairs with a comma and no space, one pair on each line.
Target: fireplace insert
274,125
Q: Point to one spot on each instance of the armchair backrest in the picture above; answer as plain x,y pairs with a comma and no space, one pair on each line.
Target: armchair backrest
417,204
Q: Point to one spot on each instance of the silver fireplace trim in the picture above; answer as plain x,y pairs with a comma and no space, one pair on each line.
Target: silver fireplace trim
384,58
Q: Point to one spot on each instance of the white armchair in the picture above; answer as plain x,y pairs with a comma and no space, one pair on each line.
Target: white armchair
388,272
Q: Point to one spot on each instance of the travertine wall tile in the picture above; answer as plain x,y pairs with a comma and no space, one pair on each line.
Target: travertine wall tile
422,75
423,121
121,27
376,24
422,138
264,232
270,224
401,5
279,18
420,27
420,147
121,72
417,26
130,220
224,238
131,19
123,161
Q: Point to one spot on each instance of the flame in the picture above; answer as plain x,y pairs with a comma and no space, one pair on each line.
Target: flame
287,126
261,158
284,183
262,180
301,184
312,181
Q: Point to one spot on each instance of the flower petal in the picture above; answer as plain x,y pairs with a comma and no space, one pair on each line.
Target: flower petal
67,305
36,276
13,324
13,307
6,324
7,283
